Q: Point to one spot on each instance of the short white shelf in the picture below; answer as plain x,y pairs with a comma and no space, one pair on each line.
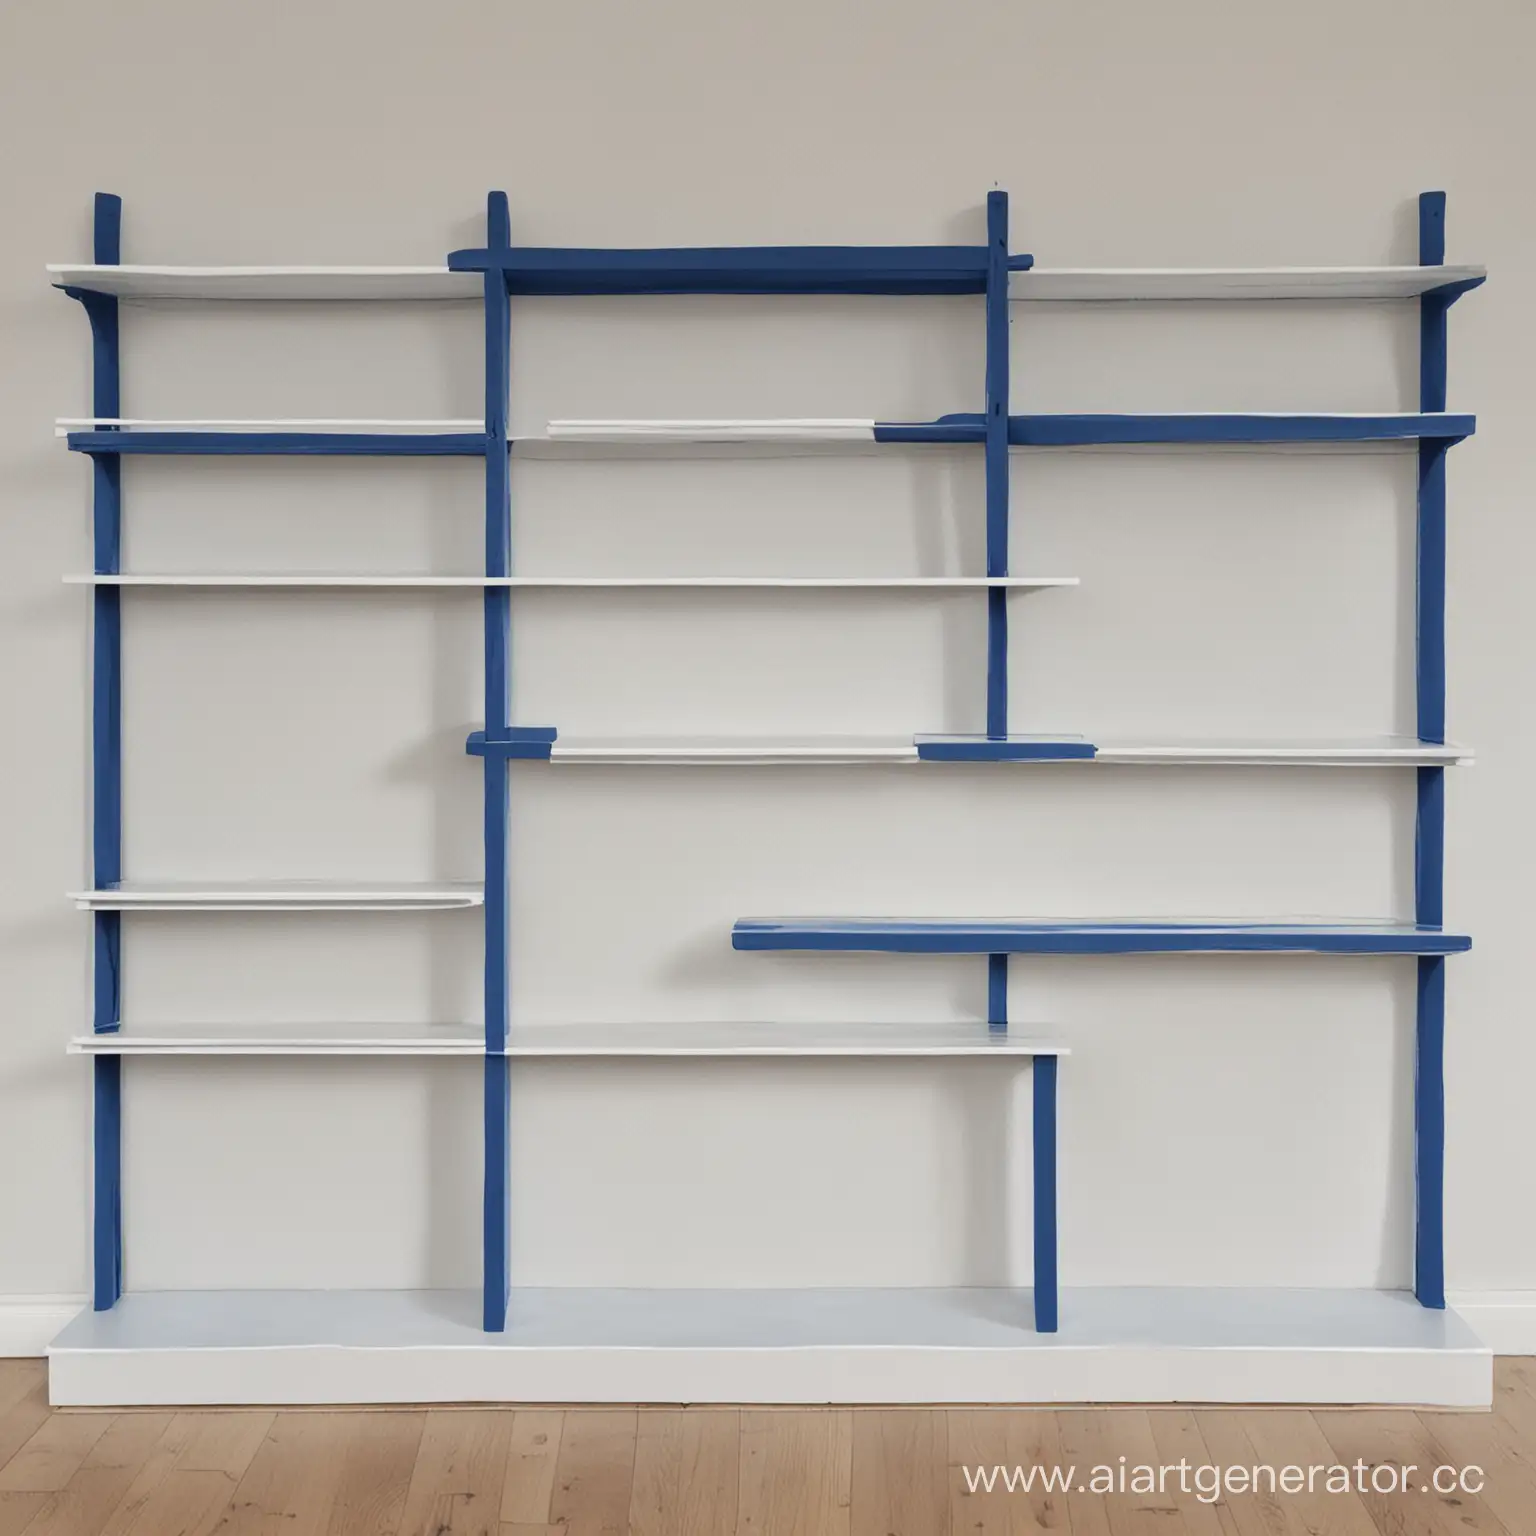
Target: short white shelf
560,583
279,896
747,751
1088,285
649,1041
290,283
284,1040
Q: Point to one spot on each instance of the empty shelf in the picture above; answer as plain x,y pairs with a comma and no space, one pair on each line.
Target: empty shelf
565,1041
1363,752
662,583
279,896
774,1039
1360,752
1030,936
285,1040
1087,285
290,283
1041,430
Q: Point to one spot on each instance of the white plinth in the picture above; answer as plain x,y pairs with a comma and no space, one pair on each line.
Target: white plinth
778,1346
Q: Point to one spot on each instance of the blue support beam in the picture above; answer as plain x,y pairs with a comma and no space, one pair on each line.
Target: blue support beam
530,742
106,773
498,705
1046,1291
876,269
1021,936
996,450
111,443
1074,430
1429,820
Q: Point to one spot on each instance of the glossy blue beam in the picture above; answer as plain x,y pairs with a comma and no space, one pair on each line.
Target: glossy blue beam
247,444
533,742
1043,1069
996,461
1018,749
1067,431
972,936
1429,819
106,771
497,808
874,269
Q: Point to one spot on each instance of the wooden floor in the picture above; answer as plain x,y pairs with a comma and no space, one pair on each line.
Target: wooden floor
714,1472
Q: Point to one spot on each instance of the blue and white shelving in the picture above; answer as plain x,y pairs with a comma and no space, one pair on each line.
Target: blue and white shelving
740,1345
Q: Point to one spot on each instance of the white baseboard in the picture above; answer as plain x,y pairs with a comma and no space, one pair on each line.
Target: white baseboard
28,1323
1504,1320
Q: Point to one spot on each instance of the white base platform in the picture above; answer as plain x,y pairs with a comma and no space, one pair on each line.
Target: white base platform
1145,1345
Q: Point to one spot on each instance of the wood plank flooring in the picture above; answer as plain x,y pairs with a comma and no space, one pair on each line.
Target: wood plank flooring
743,1472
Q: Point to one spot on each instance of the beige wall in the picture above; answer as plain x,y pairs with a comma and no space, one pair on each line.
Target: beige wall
1230,1122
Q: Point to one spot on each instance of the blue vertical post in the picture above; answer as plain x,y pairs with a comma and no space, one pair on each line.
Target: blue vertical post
1429,831
997,994
1045,1194
996,450
498,645
106,772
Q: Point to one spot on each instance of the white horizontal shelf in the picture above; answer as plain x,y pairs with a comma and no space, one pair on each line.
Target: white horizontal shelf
887,1345
1087,285
665,1041
558,583
284,1040
67,424
279,896
1079,284
707,751
291,283
1339,752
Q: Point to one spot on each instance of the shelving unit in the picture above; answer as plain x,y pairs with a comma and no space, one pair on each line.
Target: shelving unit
802,1345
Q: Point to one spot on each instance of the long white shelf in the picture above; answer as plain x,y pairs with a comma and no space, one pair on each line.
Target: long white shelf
662,583
1087,285
1065,284
667,1041
707,751
292,283
884,1344
279,896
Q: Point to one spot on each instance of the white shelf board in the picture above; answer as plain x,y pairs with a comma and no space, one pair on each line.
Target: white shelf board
1343,752
292,283
279,896
561,583
284,1040
1148,1345
736,1040
724,751
647,1041
1086,285
805,429
67,424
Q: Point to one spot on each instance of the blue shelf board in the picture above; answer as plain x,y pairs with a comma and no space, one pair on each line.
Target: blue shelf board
357,444
990,936
1071,430
1003,749
880,269
533,742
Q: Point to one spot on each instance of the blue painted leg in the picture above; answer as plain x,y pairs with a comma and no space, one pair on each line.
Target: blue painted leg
1045,1194
107,1212
1429,1135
